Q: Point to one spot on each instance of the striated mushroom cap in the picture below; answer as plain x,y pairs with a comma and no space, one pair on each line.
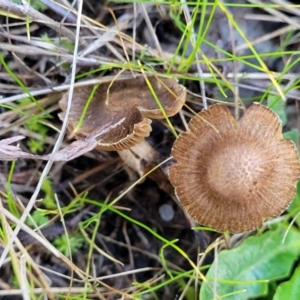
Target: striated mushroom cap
119,111
232,175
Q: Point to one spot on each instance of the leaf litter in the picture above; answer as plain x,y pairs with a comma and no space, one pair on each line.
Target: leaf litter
78,171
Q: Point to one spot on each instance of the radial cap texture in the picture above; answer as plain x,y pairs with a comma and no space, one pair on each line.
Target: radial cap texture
232,175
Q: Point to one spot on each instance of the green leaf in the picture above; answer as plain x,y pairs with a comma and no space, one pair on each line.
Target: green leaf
35,146
73,242
294,208
38,217
292,135
278,106
49,198
290,289
244,272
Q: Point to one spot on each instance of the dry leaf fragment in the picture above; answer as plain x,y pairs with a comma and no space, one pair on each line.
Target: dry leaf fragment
11,140
127,105
9,152
75,149
232,175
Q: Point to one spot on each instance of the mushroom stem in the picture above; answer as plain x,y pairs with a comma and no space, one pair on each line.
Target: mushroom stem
142,158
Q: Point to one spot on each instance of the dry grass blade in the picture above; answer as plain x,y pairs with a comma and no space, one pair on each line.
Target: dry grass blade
27,10
57,145
9,152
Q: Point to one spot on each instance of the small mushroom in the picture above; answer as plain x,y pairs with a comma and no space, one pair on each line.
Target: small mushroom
122,108
232,175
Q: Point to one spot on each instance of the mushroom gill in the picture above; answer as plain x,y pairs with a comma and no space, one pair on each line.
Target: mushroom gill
232,175
123,108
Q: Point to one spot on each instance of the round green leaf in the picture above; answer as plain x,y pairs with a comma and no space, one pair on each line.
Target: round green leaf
289,289
244,272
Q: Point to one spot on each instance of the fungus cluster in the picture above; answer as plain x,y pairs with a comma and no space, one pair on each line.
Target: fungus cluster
232,175
228,175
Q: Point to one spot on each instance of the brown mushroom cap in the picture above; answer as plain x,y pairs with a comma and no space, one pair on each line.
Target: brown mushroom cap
232,175
126,106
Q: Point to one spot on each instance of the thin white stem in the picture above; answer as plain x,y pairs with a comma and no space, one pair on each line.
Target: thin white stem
193,38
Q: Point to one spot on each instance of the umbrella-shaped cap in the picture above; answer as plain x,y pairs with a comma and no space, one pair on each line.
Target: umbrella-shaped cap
119,111
232,175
